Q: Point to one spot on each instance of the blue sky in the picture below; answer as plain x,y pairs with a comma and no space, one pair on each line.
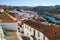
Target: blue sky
30,2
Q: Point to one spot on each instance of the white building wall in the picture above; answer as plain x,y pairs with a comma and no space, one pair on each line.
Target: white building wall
36,34
46,38
27,31
41,36
21,29
32,33
10,26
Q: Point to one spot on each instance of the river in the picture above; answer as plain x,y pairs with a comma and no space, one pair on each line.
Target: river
53,19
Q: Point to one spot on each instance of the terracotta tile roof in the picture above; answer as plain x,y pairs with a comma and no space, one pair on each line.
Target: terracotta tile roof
7,17
37,25
53,32
41,20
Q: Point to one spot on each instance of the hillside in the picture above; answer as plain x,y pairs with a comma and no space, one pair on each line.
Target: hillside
50,10
16,7
47,9
57,16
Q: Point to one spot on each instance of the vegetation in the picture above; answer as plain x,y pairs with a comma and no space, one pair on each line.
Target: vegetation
49,9
48,20
6,33
58,24
57,18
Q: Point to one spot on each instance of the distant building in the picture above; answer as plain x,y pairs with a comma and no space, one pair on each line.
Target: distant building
1,10
13,11
24,14
42,21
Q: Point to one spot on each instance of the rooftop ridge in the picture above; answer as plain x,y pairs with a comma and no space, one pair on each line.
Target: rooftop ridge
7,18
11,17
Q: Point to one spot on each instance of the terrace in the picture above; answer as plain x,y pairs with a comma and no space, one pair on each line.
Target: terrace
15,37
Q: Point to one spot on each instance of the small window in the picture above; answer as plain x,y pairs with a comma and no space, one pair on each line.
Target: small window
34,32
44,37
38,34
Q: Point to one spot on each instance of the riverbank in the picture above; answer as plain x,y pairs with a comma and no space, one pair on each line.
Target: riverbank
57,16
52,19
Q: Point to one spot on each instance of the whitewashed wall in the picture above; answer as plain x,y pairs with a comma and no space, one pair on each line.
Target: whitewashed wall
36,35
32,33
10,26
46,38
27,31
41,36
2,34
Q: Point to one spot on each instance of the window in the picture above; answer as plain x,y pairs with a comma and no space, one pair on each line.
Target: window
34,32
44,37
38,34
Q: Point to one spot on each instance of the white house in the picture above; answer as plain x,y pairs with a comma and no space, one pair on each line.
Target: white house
32,30
8,22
